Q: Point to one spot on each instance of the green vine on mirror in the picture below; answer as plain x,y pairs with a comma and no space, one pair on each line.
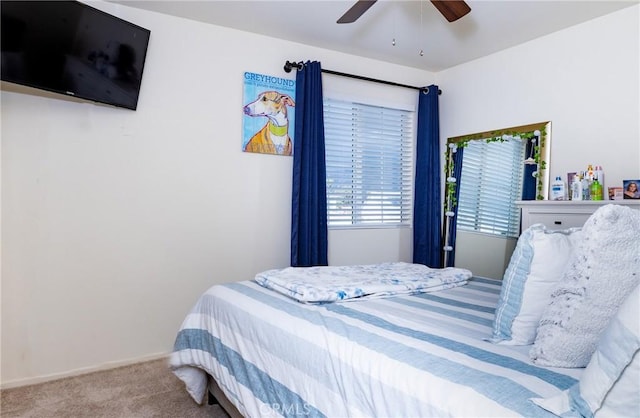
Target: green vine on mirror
538,135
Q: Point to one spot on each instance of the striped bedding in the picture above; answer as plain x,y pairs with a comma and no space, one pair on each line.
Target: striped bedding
404,356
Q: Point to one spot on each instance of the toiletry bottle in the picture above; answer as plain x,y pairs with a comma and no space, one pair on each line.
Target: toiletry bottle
596,189
557,189
576,188
600,174
585,187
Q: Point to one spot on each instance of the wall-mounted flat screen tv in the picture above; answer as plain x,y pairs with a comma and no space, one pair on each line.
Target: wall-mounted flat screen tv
71,48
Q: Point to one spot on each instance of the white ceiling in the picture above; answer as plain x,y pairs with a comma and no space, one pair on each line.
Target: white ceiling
415,25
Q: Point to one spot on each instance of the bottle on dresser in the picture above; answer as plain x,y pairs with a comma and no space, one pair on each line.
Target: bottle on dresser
586,186
576,188
600,174
558,189
590,173
596,189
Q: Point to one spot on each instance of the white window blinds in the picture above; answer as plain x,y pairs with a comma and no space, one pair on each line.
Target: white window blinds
491,182
369,164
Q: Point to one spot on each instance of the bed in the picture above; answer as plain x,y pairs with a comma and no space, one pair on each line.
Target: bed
409,355
559,335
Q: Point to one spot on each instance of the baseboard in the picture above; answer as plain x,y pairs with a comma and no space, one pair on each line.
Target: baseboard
81,371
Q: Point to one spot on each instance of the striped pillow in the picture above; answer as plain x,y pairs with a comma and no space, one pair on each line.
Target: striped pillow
537,264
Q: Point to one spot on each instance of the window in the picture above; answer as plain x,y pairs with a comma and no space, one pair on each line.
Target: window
369,164
490,183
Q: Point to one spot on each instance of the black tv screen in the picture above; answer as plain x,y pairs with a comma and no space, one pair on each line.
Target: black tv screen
71,48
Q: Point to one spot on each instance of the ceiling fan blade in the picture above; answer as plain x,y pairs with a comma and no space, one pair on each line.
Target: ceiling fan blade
356,11
452,10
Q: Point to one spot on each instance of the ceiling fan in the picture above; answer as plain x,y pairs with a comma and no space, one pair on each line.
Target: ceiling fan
452,10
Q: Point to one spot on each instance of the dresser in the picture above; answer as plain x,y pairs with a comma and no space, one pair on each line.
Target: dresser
558,214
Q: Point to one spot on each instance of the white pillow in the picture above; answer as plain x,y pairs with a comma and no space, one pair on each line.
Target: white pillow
609,385
604,269
536,265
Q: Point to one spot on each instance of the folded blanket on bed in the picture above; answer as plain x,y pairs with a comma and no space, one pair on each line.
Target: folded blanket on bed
343,283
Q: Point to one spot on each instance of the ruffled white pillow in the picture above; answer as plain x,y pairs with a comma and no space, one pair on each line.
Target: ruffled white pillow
604,269
610,385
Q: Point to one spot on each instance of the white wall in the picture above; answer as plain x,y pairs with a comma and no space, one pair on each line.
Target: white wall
114,221
584,79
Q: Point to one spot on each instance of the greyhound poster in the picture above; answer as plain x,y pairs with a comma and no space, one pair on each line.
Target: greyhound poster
269,114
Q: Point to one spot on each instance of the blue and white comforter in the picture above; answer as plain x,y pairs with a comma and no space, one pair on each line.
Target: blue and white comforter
420,355
342,283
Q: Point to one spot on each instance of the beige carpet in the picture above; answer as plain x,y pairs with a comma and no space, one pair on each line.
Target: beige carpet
146,389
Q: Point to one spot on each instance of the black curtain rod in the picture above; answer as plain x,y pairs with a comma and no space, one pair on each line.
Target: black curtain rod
288,66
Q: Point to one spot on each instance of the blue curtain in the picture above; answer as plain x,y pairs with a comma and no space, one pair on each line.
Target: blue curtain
528,181
309,197
427,213
457,173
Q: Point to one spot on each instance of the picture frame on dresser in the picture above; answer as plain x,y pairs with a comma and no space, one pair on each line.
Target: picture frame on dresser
562,214
631,189
615,193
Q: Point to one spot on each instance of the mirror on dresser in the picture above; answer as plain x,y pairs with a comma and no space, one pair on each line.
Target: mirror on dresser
486,173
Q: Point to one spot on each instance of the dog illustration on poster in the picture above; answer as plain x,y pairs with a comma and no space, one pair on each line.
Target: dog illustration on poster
269,98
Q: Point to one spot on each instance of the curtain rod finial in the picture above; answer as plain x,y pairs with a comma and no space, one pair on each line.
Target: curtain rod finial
289,65
425,90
